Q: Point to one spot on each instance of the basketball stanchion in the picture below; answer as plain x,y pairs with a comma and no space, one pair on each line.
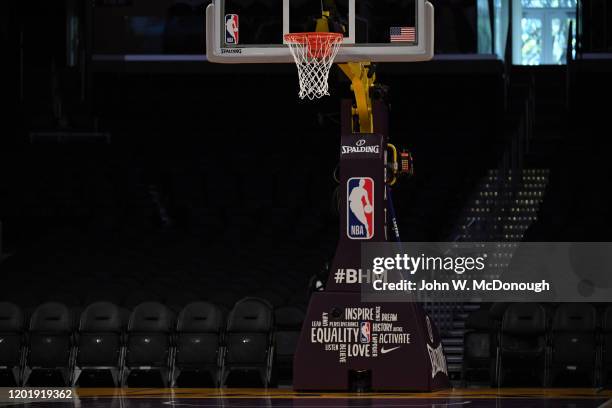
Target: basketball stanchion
346,342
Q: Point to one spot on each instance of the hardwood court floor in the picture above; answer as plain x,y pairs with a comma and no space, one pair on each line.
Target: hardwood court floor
286,398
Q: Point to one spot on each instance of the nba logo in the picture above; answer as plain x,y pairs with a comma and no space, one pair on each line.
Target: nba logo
231,29
365,332
360,208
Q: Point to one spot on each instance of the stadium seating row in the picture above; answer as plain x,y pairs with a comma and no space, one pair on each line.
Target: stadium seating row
201,339
566,344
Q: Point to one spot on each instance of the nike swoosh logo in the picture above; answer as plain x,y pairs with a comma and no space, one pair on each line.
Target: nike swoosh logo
385,351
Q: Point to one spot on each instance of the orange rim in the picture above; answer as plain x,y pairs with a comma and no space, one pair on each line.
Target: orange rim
319,44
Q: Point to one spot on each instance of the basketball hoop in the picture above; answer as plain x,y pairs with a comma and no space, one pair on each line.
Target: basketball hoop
314,55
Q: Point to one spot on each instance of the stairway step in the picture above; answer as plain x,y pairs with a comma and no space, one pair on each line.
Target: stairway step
456,341
439,307
453,350
441,316
455,368
458,324
457,359
456,333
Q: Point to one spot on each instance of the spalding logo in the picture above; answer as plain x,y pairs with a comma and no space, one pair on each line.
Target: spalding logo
360,147
231,50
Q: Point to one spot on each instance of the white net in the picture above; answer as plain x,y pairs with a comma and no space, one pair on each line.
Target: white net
314,55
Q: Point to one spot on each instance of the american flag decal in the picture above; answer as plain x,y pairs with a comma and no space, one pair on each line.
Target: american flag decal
402,34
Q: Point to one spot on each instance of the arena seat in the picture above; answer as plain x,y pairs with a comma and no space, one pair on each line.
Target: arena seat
11,343
606,359
249,339
522,344
149,341
99,341
478,361
288,322
50,345
497,310
198,341
574,344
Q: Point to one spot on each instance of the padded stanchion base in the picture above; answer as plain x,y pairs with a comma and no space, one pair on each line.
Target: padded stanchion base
382,346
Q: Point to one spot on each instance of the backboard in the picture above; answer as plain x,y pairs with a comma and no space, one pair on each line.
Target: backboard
251,31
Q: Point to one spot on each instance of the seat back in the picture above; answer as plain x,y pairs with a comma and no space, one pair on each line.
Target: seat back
51,317
607,336
249,328
200,317
606,329
198,330
523,329
50,336
100,317
11,328
573,333
150,317
497,310
149,332
11,318
100,335
477,338
250,315
574,318
573,342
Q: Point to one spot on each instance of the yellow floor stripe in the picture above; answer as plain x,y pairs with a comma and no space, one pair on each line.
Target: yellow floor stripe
481,393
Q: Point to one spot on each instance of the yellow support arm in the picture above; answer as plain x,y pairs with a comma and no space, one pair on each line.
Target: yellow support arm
357,72
323,23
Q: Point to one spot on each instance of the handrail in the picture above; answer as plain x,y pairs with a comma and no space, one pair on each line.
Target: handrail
508,61
569,59
569,47
491,7
579,33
